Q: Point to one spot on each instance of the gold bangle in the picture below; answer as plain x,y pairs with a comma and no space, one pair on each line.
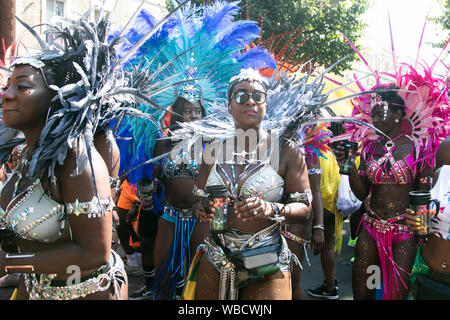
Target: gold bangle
19,269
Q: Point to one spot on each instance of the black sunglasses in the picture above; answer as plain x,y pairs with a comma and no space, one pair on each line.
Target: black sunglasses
242,97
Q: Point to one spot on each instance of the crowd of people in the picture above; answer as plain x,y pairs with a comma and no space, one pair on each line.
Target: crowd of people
166,143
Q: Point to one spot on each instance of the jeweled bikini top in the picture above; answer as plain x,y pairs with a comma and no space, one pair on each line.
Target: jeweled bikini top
39,218
183,166
401,171
260,180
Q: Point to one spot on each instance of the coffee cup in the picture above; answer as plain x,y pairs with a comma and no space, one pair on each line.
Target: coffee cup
420,202
218,195
349,157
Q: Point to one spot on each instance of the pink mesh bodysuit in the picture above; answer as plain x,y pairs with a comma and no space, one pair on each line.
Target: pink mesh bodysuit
388,232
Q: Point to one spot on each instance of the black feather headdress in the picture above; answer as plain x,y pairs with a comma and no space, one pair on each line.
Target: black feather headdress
80,64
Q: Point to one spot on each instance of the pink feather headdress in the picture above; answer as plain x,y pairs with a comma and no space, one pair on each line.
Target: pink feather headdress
426,106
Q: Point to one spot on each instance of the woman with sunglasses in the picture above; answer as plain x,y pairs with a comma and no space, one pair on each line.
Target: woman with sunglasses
199,56
267,179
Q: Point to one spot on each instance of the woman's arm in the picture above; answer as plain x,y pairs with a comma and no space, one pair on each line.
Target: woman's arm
318,236
197,208
296,181
359,183
160,147
91,237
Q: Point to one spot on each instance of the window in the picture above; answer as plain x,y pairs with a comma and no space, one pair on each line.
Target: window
54,7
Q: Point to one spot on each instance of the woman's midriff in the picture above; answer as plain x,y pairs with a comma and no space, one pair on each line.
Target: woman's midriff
179,193
246,226
389,201
436,253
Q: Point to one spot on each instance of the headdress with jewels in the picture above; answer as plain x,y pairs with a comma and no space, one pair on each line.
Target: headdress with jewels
426,108
376,100
294,106
204,47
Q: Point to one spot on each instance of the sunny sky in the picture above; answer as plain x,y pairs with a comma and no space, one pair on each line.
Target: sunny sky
407,20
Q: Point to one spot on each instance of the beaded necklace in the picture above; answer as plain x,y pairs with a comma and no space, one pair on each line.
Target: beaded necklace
20,168
234,181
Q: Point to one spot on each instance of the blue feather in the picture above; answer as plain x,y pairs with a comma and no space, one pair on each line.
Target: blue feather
238,34
256,58
218,15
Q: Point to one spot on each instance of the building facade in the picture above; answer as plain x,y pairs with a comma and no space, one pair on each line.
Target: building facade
40,12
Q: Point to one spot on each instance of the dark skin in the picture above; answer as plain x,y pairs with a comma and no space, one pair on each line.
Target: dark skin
387,201
25,102
108,149
322,240
178,193
435,250
304,230
292,169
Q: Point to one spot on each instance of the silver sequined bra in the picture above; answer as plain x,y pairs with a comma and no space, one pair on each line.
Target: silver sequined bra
39,218
262,181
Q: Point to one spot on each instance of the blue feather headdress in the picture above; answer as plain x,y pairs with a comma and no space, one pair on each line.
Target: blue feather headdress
204,49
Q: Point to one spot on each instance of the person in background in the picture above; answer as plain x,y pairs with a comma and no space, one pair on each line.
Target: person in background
127,199
430,275
147,212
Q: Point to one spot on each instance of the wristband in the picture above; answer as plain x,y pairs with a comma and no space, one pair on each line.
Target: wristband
319,226
313,171
277,209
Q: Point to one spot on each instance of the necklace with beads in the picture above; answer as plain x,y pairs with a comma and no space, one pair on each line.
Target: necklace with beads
22,170
248,161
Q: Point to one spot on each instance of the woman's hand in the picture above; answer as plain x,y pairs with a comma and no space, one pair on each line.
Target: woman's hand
413,221
318,240
202,215
339,152
253,208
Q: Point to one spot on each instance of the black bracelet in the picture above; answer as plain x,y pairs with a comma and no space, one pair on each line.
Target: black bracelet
277,212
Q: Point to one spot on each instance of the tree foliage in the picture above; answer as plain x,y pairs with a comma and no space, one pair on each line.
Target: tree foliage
444,21
304,30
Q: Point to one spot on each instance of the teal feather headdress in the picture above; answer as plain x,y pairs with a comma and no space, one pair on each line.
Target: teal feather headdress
201,49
